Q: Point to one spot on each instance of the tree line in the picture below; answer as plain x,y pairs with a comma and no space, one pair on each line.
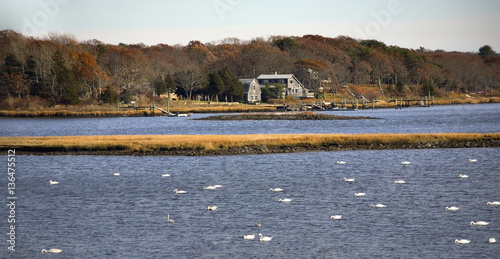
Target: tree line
61,70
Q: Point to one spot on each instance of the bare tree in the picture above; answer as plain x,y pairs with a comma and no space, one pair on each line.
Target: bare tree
190,79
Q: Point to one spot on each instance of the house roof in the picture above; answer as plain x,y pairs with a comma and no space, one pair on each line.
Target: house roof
273,76
246,81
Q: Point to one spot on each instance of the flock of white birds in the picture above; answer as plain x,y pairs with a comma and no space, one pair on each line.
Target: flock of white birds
333,217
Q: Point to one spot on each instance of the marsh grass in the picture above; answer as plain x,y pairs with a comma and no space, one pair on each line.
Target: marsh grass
145,143
65,113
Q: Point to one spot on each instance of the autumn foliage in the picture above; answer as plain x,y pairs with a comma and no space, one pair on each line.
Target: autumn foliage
59,69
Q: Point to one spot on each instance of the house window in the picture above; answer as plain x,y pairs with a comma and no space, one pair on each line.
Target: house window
291,81
254,87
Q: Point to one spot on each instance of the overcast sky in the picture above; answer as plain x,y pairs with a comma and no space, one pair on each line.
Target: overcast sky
452,25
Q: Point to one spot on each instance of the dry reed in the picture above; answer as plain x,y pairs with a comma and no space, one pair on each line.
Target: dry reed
145,143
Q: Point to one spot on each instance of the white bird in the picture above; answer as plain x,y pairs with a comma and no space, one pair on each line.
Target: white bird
213,207
492,240
249,236
472,160
378,205
210,187
53,182
285,200
494,203
462,241
399,181
341,162
335,216
348,179
463,176
217,186
479,223
169,220
358,194
405,163
116,173
53,250
452,208
276,189
180,192
263,238
165,175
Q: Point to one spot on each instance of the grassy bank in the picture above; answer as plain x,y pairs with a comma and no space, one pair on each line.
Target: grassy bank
240,144
204,107
65,113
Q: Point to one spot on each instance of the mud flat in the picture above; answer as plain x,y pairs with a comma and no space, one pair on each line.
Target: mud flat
283,116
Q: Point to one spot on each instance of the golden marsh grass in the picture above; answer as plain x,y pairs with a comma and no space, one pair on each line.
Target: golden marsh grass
146,143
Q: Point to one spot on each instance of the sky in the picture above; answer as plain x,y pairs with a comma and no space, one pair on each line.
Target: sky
451,25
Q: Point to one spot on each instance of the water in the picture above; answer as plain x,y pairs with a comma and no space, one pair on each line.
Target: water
481,118
93,214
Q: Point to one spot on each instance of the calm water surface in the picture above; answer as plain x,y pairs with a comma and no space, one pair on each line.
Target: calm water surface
456,118
93,214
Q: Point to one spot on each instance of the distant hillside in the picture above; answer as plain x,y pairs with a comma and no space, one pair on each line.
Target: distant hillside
60,70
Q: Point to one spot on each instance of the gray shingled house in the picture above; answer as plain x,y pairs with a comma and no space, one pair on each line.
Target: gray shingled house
252,90
293,86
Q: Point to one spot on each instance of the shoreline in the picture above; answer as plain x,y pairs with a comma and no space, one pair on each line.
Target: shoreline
128,112
224,145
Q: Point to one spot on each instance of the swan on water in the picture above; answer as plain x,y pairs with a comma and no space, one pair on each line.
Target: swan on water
217,186
462,241
213,207
180,192
472,160
463,176
378,205
335,217
276,189
258,224
358,194
479,223
341,162
263,238
399,181
53,182
249,236
452,208
492,240
348,179
210,187
405,163
285,200
494,203
53,250
169,220
116,173
165,175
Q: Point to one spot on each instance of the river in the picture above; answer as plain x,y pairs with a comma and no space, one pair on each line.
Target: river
92,213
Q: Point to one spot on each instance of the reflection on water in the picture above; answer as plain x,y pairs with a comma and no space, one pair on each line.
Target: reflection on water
92,213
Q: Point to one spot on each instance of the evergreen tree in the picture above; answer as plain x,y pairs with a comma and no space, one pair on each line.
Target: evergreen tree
110,95
233,89
486,51
215,84
160,86
66,80
170,84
